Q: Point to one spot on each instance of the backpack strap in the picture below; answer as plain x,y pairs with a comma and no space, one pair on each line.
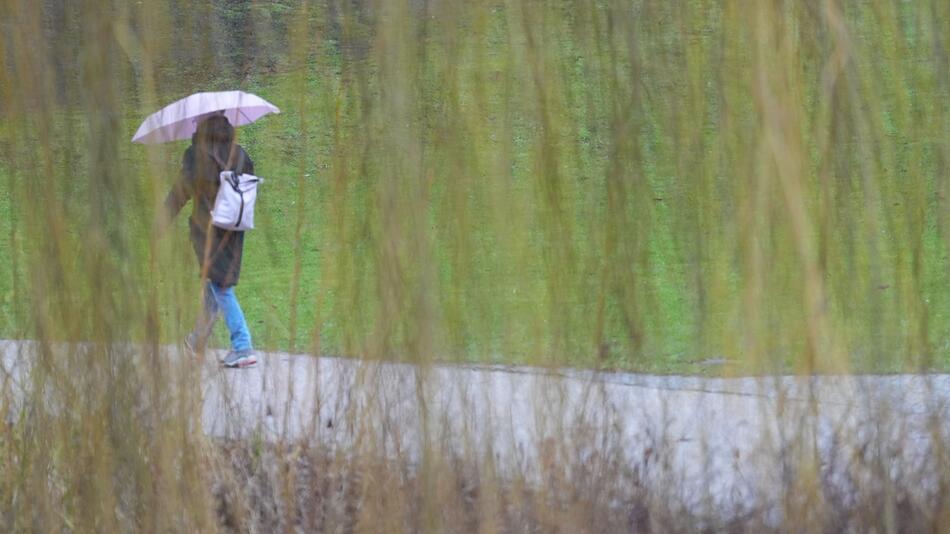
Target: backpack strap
221,164
216,159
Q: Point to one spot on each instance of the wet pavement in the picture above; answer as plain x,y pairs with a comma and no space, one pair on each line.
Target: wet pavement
726,441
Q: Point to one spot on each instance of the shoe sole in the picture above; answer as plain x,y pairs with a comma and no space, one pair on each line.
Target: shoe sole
241,364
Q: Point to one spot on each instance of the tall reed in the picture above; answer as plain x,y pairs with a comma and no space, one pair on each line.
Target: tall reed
597,184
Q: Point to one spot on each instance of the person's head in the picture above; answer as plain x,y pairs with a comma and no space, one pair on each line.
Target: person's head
215,130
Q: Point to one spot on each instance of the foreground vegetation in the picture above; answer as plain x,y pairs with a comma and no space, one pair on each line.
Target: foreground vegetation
624,184
618,185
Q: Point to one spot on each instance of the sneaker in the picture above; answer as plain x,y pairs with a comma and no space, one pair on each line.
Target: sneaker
240,359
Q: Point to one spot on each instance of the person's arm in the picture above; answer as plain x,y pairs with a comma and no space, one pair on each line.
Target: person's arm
247,164
180,193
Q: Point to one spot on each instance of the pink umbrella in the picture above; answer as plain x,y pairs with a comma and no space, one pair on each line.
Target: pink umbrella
180,119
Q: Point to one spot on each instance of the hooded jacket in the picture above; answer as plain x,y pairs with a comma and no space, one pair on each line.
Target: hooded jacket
218,251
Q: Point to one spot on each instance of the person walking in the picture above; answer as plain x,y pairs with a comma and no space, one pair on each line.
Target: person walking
218,251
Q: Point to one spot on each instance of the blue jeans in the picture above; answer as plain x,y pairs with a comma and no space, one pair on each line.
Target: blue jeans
222,300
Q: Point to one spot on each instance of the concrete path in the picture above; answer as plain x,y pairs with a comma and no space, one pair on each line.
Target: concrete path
727,441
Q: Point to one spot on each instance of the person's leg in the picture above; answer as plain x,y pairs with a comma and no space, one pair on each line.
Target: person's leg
204,325
227,303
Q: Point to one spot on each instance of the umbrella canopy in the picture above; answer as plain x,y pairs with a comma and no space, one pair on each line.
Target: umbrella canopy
180,119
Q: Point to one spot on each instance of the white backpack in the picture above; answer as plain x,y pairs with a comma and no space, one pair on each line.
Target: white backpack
234,204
